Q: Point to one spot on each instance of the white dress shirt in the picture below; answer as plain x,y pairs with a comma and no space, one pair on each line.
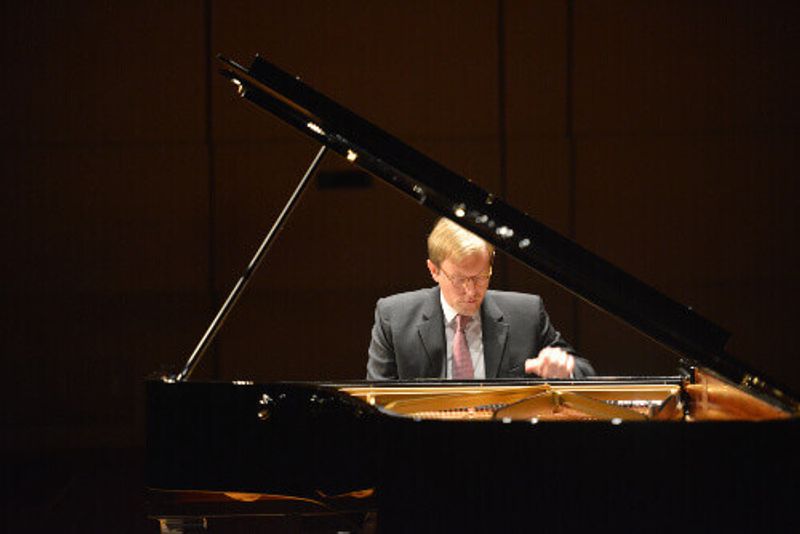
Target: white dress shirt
474,340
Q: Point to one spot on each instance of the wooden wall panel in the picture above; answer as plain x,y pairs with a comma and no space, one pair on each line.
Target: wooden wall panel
536,54
97,219
105,249
416,68
538,150
709,220
678,66
104,213
686,152
102,72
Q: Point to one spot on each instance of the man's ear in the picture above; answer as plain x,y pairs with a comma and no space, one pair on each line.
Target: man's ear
434,271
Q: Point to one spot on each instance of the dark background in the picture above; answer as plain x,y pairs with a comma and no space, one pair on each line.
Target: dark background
662,135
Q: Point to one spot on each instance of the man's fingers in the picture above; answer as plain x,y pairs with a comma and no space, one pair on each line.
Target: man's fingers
551,362
539,366
532,366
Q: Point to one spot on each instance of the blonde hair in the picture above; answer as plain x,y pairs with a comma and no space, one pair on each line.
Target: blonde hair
449,240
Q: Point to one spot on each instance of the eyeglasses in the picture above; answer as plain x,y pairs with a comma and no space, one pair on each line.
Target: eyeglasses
481,280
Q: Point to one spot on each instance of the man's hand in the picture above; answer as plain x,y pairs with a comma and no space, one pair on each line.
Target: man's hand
551,362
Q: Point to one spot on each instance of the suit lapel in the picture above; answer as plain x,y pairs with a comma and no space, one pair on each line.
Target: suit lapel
495,334
431,333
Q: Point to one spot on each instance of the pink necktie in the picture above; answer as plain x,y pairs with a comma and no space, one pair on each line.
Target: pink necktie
462,361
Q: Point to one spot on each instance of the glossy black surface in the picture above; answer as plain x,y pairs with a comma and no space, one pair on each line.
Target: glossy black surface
439,476
592,477
291,439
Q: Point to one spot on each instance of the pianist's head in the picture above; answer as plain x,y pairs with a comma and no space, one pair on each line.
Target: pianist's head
461,263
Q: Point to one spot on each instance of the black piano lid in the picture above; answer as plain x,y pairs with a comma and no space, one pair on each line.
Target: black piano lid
696,340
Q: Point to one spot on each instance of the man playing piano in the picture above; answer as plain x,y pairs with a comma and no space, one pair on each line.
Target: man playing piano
462,330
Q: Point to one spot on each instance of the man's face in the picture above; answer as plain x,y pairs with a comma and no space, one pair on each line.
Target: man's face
463,283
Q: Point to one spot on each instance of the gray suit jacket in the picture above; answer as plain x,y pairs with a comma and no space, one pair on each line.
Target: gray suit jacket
408,339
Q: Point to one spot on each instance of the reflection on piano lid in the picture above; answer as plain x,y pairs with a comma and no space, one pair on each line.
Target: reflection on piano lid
311,448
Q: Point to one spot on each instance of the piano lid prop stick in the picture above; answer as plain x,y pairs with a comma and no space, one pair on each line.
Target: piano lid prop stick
240,286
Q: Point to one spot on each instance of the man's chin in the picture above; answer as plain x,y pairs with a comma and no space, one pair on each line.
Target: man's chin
469,308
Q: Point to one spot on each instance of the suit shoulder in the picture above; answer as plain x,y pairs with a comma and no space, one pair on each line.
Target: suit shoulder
406,299
515,298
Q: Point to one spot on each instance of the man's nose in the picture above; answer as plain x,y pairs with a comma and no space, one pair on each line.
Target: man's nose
471,288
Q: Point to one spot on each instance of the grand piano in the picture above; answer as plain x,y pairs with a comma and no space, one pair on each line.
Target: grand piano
710,449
